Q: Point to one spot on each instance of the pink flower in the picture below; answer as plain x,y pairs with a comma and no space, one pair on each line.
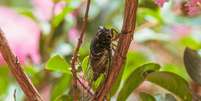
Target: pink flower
73,35
180,31
193,7
22,35
43,8
160,2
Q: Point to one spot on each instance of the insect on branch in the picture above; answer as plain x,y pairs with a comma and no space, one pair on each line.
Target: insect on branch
125,39
75,54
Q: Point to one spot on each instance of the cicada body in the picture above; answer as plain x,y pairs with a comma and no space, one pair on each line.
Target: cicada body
101,51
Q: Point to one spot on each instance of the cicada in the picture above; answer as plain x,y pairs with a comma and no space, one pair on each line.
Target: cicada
101,51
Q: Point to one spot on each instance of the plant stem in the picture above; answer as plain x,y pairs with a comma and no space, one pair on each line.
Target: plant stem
76,51
23,80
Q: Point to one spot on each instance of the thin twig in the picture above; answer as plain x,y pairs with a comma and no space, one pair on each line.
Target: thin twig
25,83
75,54
125,39
87,88
14,95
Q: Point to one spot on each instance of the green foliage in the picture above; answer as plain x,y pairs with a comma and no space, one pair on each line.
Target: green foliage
85,65
145,14
134,60
26,12
34,73
65,98
61,87
135,79
172,83
4,82
146,97
117,83
88,72
16,3
60,17
176,69
96,84
58,63
191,42
148,4
57,19
4,85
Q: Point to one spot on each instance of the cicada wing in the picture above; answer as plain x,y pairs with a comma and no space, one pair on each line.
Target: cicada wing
88,73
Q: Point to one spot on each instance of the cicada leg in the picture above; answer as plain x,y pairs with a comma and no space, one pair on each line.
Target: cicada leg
115,37
115,34
114,47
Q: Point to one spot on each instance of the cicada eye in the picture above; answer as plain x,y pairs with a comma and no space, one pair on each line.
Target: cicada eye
109,36
100,28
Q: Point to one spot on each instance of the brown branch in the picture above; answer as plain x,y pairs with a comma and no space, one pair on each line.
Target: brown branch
17,71
125,39
86,87
75,54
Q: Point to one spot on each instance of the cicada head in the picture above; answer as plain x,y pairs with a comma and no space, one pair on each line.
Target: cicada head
104,34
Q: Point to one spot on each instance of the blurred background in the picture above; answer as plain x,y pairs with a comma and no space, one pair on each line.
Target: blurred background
39,29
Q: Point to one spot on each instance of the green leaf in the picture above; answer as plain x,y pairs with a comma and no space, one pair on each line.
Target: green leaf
98,82
150,15
34,73
17,3
88,72
4,71
176,69
133,61
135,79
192,61
146,97
148,4
60,17
64,98
117,83
61,86
58,63
30,70
26,12
172,83
191,42
85,64
4,81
